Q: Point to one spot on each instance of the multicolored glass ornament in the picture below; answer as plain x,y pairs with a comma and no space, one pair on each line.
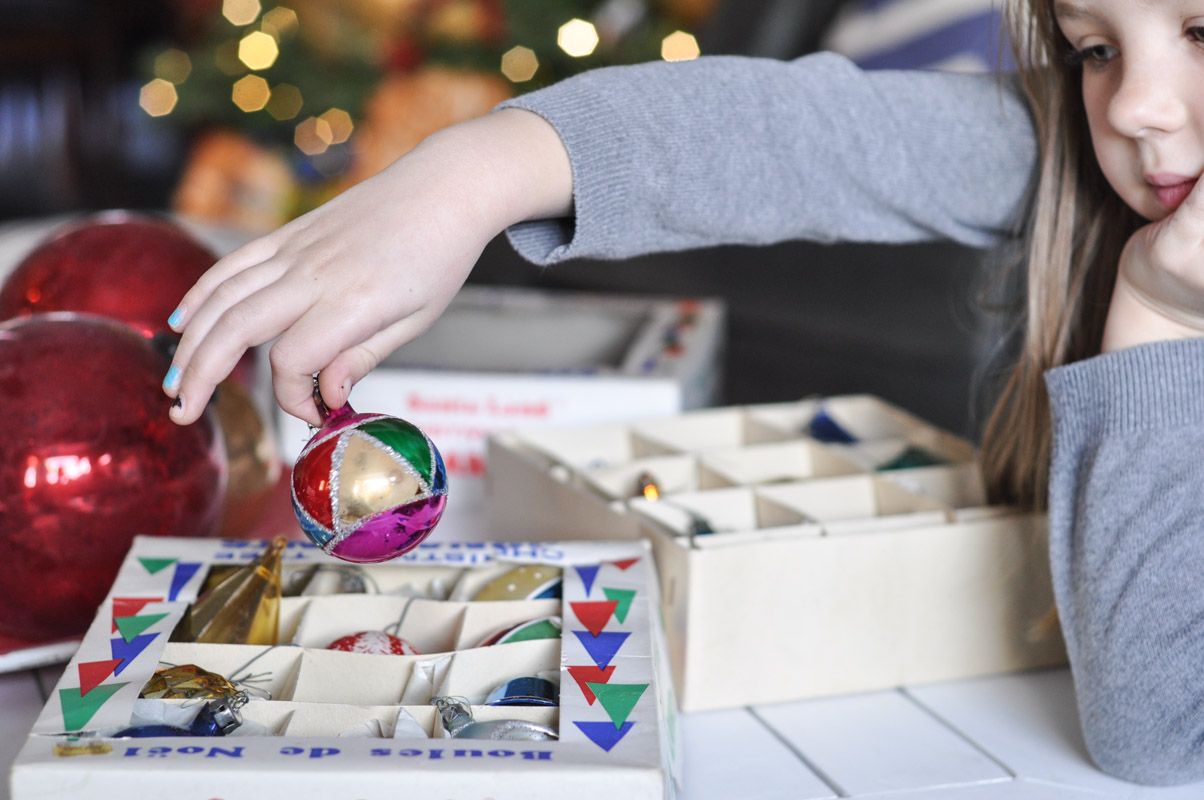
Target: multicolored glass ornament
218,718
456,716
525,691
543,628
368,487
242,609
528,582
187,682
376,643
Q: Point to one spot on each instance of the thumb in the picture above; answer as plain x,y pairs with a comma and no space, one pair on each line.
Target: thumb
1184,226
348,368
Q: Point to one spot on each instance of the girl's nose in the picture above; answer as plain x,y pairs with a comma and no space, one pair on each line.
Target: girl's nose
1148,100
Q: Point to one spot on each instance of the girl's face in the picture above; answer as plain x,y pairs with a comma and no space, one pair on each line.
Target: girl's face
1143,89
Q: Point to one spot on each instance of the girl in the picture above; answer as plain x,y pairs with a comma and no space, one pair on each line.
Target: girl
639,159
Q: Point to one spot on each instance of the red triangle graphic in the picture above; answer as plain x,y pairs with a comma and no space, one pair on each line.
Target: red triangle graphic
595,614
625,563
94,673
591,674
130,606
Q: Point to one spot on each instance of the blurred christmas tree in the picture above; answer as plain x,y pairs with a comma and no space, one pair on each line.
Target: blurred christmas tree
293,103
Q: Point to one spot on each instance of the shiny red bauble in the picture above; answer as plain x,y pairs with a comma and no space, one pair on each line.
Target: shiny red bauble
117,264
88,460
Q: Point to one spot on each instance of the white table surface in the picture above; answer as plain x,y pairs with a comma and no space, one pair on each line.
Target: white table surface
997,738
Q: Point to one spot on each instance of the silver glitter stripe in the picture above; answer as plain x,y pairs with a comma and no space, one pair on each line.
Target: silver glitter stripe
328,436
336,467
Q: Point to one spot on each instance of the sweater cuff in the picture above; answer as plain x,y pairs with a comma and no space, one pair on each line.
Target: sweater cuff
599,154
1152,386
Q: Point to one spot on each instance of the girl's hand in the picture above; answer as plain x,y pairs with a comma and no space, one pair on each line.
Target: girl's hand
353,280
1159,293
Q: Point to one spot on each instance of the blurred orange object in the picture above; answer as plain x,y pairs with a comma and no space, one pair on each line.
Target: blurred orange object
230,180
405,108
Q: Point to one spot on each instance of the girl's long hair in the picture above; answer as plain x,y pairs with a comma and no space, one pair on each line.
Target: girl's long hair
1075,230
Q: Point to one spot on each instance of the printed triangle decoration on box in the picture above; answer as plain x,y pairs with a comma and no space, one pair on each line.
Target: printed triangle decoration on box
588,573
618,699
594,614
623,598
585,675
604,734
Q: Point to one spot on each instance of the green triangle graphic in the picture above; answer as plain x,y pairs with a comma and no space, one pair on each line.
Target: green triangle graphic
618,699
624,598
130,627
153,565
78,709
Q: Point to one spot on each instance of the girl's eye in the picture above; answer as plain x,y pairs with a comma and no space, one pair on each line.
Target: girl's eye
1196,32
1096,55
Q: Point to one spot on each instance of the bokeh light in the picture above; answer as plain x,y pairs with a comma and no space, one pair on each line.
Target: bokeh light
158,97
312,136
258,50
285,102
577,37
172,65
240,12
226,58
340,125
679,46
519,64
251,93
279,22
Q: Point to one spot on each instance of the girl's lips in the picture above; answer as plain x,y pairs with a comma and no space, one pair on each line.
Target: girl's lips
1171,195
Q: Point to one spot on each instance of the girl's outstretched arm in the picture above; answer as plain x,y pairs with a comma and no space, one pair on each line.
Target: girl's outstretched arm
1127,511
346,284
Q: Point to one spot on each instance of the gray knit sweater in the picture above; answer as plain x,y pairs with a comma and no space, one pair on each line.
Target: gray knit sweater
733,150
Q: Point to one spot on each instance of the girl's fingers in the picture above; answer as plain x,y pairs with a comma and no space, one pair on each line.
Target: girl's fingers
256,320
222,304
225,268
294,363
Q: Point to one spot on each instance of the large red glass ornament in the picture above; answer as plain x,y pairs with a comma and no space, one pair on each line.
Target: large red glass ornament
130,267
88,460
368,487
117,264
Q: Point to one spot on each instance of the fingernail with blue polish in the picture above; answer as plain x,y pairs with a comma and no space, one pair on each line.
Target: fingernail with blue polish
176,316
172,379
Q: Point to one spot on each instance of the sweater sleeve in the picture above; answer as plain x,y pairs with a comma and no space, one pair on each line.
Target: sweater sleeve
1127,554
736,150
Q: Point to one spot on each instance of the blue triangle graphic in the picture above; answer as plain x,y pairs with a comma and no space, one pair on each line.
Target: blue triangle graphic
587,576
128,651
184,571
604,734
603,648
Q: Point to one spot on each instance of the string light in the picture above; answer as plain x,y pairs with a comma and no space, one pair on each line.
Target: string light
285,103
172,65
226,58
158,97
313,136
279,22
258,50
519,64
577,37
679,46
251,93
340,125
240,12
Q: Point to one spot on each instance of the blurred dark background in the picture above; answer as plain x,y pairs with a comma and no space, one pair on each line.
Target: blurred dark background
902,322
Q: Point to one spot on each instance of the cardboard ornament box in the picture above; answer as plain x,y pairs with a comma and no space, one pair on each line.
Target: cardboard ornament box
845,543
322,722
537,359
